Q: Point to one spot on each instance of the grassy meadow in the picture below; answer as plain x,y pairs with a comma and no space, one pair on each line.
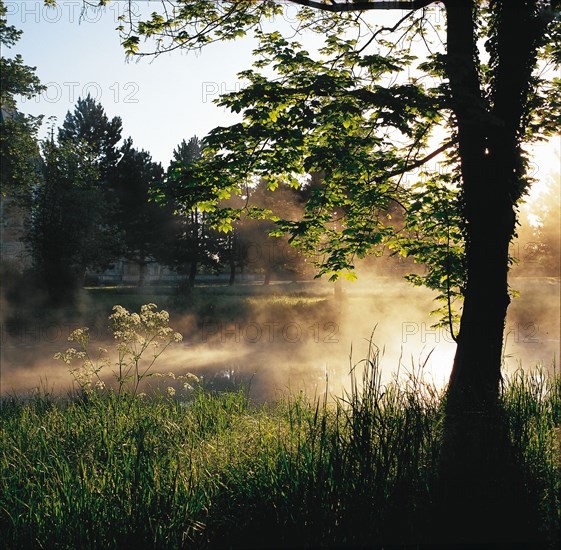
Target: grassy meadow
101,468
212,471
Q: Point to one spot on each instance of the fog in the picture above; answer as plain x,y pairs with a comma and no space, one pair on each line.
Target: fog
295,337
299,336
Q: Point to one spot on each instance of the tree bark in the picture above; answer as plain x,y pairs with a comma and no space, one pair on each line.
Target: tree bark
491,167
480,494
476,368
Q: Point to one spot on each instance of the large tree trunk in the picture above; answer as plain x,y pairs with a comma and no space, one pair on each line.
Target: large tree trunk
478,475
491,167
478,356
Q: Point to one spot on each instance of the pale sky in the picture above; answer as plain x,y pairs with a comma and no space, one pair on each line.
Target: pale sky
161,100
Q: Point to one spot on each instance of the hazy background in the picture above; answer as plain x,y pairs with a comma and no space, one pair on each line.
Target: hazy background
298,343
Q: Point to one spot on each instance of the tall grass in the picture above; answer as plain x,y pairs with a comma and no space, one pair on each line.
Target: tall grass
532,405
103,471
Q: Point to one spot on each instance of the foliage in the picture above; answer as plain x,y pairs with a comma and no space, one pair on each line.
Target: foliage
67,232
352,118
19,152
136,335
20,157
364,112
89,123
144,226
195,23
187,152
17,78
215,470
432,235
191,242
73,224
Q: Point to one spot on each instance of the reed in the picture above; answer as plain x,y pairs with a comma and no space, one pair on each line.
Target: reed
103,470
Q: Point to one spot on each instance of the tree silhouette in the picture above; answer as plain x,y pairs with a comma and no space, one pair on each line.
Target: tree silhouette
67,234
143,224
90,123
339,115
191,242
73,222
19,149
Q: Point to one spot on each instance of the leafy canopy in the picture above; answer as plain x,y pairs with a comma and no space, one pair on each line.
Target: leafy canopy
19,151
361,117
366,111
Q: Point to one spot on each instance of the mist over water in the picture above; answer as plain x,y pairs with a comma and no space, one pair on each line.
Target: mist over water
296,336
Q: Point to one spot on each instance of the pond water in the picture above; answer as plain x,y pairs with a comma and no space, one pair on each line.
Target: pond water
293,338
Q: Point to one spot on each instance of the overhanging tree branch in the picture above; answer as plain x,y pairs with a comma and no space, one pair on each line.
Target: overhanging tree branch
424,160
338,7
